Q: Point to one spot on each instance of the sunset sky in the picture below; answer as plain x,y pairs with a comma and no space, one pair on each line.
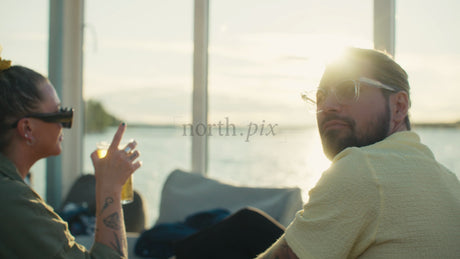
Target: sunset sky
262,54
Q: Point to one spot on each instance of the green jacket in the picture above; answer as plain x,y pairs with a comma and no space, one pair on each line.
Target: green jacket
29,228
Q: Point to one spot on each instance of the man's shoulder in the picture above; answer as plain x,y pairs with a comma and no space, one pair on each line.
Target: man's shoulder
365,162
352,166
397,144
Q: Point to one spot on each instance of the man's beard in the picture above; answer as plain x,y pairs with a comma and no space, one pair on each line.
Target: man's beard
334,143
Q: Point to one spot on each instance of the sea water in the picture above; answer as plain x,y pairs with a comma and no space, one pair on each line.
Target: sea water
287,158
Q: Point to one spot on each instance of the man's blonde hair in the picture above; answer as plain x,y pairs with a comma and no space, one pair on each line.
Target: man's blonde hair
379,66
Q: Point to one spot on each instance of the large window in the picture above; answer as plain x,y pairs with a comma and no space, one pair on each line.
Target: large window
262,55
427,47
138,65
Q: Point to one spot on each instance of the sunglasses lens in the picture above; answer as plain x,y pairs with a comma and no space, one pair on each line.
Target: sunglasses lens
346,91
320,96
64,117
67,125
67,117
66,122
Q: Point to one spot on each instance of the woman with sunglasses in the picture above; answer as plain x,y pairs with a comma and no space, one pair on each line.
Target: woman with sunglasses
31,122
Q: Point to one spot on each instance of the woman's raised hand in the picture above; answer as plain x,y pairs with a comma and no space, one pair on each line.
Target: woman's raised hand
116,167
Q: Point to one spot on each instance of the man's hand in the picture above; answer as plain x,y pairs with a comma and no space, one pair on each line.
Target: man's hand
280,250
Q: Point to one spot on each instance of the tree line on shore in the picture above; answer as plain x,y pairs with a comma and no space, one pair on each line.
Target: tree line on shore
97,119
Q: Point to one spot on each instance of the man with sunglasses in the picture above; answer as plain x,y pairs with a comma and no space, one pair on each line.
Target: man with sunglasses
385,195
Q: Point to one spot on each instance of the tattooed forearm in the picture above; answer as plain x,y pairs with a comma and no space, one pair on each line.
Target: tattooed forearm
110,228
117,244
112,221
107,202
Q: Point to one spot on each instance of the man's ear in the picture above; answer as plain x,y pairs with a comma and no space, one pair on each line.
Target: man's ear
399,107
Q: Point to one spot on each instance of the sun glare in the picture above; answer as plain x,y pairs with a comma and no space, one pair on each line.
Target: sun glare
330,47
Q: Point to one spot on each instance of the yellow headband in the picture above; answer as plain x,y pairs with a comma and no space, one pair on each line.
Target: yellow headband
4,64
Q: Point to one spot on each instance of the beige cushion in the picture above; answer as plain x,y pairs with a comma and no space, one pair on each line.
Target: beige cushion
187,193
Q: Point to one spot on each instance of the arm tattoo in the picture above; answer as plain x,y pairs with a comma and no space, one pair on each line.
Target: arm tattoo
107,202
112,221
117,245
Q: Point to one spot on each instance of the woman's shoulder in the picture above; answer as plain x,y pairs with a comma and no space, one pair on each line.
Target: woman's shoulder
18,199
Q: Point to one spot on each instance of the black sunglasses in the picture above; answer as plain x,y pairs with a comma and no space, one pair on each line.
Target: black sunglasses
63,116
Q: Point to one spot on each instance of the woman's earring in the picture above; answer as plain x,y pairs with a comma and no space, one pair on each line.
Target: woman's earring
29,140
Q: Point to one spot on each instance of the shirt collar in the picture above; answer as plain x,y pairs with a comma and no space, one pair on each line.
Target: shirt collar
9,169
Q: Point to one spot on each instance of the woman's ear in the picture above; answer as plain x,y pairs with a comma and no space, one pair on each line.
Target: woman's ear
25,130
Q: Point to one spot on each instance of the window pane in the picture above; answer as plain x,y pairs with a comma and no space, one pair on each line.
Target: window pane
262,55
427,43
428,50
25,43
138,65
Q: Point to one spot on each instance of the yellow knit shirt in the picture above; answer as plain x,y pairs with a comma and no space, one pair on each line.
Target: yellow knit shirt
387,200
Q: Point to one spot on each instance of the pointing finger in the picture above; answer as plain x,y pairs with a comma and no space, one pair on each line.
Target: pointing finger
117,137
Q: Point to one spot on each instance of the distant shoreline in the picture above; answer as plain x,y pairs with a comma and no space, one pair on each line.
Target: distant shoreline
436,125
296,127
